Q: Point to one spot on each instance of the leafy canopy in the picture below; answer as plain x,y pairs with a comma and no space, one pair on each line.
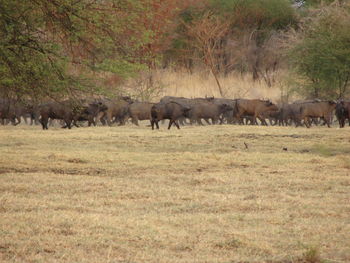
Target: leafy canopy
320,54
51,47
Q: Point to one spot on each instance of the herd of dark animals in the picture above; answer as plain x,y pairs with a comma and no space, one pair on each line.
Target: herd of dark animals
178,110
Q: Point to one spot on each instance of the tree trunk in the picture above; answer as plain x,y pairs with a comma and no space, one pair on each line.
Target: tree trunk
215,73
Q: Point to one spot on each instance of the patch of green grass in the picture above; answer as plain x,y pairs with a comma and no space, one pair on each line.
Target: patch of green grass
323,150
329,150
311,255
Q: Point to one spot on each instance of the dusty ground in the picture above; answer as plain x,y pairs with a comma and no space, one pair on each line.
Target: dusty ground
199,194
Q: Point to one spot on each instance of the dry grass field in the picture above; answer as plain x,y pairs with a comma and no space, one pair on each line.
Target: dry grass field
199,194
202,83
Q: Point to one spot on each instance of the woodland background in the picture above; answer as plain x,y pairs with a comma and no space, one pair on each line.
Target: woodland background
277,49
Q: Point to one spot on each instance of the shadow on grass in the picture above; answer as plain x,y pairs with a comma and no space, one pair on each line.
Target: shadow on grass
329,151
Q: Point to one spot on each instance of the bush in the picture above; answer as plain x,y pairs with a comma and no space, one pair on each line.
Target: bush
261,14
319,54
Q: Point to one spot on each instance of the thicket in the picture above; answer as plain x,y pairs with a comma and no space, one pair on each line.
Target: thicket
232,35
63,48
319,53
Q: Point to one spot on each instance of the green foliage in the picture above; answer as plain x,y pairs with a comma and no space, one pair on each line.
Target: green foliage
319,2
262,14
312,255
43,42
122,68
26,64
321,54
330,150
259,19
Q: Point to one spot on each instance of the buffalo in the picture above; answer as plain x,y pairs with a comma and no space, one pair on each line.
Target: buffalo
89,112
116,110
342,111
11,110
290,113
70,112
170,110
254,108
228,116
317,109
207,110
180,100
139,111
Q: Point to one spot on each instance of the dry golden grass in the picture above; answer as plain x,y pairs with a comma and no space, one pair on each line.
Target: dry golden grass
203,83
129,194
199,84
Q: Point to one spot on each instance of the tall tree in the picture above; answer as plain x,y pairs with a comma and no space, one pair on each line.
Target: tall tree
319,53
252,26
207,32
41,41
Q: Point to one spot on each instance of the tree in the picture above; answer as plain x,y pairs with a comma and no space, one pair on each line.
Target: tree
319,2
254,24
319,54
44,42
207,32
251,28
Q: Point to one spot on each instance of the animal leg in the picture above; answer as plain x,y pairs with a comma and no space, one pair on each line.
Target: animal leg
199,121
109,118
68,124
135,121
176,124
207,121
44,121
306,122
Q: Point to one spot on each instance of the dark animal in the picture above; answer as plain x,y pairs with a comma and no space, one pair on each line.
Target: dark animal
207,110
55,110
31,112
191,103
139,111
317,109
70,112
254,108
170,110
89,112
182,101
116,111
228,116
11,110
342,111
290,113
274,117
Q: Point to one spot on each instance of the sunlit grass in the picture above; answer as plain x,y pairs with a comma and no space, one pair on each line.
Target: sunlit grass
200,84
130,194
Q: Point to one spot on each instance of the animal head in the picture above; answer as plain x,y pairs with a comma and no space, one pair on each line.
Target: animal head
268,103
271,106
225,107
127,99
98,106
186,111
156,107
102,106
209,98
186,108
